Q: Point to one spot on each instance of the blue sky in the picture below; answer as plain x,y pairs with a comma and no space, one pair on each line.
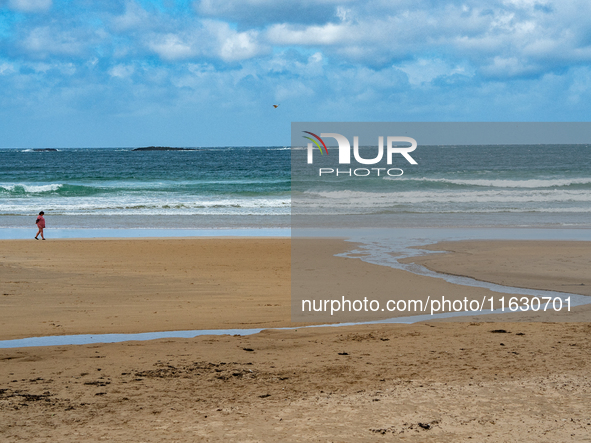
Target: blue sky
76,73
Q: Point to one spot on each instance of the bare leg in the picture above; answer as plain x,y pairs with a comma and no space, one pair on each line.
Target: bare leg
37,234
41,231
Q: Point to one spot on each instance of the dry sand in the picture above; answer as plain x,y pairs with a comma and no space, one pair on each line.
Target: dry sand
459,380
440,382
61,287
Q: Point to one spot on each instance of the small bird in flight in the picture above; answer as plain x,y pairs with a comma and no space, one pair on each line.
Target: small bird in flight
275,106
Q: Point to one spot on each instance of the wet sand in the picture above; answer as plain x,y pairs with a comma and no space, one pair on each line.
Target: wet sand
433,381
550,265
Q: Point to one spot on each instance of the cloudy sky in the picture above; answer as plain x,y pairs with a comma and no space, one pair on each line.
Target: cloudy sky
79,73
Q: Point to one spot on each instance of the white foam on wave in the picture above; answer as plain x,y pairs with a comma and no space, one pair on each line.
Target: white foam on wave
37,150
331,211
32,189
492,183
118,205
387,199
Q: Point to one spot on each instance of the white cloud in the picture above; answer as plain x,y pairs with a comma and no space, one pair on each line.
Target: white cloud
232,45
172,47
217,7
212,39
134,16
91,63
356,52
6,68
239,46
524,37
328,34
30,5
509,67
343,14
220,7
200,69
283,63
45,40
521,37
121,71
425,70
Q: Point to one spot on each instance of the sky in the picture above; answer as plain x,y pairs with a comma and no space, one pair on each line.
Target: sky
81,73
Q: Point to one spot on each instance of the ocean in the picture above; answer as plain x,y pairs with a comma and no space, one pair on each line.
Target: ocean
450,186
221,188
252,188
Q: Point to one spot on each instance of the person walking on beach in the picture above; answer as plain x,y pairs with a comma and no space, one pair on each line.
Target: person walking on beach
40,224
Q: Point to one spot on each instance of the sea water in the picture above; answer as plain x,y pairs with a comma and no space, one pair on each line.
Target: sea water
217,188
251,187
452,186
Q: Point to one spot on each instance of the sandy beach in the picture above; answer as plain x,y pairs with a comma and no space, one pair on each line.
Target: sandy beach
432,381
550,265
103,286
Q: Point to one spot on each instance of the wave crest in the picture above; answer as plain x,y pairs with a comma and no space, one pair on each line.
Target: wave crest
30,189
500,183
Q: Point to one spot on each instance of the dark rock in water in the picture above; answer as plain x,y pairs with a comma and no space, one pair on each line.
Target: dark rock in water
45,150
164,148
